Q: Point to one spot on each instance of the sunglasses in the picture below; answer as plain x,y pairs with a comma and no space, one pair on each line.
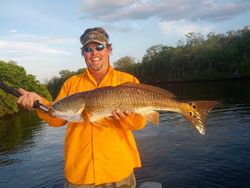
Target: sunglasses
99,47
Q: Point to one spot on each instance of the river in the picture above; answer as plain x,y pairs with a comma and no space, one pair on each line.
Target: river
173,152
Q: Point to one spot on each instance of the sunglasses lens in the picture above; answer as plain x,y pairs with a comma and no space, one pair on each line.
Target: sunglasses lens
100,47
87,49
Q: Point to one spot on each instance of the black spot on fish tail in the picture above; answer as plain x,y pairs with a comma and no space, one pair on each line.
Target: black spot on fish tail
198,113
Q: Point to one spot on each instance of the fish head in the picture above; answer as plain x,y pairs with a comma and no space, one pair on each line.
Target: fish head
70,116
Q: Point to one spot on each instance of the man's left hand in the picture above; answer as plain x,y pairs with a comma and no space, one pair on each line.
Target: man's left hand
118,114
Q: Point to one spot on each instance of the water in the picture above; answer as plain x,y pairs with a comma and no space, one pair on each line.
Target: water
31,153
173,153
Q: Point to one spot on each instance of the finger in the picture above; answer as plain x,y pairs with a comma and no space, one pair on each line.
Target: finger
120,113
127,112
25,103
30,104
26,100
115,115
22,91
32,98
21,100
36,97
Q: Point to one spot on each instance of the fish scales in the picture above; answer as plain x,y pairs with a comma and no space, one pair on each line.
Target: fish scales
139,98
125,99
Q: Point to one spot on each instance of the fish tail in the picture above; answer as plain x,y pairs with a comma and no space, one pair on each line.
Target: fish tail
196,113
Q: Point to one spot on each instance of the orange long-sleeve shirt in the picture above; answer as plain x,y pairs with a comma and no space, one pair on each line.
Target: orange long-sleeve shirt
96,155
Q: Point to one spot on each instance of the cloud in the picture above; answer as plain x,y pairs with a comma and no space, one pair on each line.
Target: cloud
124,26
109,2
13,31
15,46
36,52
183,27
21,59
41,39
21,43
164,10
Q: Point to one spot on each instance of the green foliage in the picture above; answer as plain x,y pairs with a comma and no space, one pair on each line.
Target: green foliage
218,56
126,64
15,76
54,85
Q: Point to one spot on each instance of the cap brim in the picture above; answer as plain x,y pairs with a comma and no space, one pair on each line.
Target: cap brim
98,41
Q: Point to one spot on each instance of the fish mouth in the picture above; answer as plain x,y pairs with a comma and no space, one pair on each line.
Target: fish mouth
51,112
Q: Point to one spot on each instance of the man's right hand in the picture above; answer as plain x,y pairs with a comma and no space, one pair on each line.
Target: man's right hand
28,98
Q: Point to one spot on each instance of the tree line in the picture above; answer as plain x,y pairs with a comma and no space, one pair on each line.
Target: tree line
15,76
214,57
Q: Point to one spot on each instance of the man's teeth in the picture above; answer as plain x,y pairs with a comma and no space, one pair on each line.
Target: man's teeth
96,59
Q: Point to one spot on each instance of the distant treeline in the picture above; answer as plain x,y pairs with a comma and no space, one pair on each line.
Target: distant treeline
15,76
214,57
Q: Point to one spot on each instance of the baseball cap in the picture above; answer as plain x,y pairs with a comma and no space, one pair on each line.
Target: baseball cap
96,34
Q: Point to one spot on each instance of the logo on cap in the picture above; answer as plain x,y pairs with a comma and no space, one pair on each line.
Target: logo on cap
91,35
95,37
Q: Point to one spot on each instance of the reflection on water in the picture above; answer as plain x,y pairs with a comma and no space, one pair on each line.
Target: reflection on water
173,152
31,153
16,133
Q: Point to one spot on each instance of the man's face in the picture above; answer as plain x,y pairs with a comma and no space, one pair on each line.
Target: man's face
96,57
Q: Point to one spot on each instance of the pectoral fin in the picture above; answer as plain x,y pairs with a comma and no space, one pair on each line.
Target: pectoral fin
85,116
152,117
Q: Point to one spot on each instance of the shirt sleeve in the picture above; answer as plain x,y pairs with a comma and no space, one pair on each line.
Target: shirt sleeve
54,122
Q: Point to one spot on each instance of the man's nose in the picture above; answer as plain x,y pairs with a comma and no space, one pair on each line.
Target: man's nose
94,51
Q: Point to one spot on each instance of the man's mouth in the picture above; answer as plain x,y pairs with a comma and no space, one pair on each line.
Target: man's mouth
96,59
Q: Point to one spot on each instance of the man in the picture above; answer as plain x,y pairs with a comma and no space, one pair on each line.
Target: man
96,156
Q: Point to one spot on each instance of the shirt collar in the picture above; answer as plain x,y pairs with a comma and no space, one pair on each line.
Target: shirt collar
110,70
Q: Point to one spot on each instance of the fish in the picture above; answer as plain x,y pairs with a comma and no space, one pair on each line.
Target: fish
144,99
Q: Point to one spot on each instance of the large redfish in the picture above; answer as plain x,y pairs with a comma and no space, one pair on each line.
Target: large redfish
97,104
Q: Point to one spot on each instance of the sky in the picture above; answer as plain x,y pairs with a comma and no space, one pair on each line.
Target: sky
43,35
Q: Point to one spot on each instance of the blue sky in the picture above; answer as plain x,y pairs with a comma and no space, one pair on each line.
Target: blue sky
43,35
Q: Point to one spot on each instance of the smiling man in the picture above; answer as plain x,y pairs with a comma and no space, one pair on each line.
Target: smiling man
96,51
96,156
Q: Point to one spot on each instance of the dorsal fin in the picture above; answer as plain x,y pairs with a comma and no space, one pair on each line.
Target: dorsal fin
148,87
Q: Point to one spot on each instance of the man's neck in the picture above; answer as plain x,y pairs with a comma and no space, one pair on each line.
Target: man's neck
98,76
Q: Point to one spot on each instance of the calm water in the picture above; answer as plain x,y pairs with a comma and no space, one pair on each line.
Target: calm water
31,153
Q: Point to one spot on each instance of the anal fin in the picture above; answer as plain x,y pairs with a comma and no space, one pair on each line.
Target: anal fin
152,117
